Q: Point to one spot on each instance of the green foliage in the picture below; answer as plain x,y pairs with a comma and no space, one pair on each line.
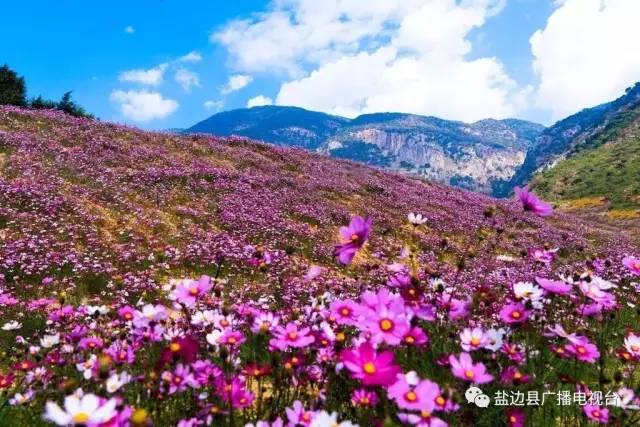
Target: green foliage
40,103
12,87
610,170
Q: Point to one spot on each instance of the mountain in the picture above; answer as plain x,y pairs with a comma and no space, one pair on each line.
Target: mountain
474,156
587,128
604,170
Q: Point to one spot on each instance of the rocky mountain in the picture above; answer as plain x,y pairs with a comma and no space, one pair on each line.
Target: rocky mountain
586,129
477,156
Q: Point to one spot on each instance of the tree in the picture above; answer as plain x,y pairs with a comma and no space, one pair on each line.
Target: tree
12,88
40,103
70,107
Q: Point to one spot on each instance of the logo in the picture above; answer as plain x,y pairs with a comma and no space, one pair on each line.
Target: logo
476,396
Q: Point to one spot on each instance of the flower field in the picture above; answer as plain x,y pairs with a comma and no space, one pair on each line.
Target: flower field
161,279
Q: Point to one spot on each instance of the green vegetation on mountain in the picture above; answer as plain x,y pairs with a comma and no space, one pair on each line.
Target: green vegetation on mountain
606,168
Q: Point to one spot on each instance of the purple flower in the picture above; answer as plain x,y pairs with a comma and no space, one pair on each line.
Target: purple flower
188,290
465,369
514,313
353,237
633,264
531,203
554,286
290,336
419,395
370,367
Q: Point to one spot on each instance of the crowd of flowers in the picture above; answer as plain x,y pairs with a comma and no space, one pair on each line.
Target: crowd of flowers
229,316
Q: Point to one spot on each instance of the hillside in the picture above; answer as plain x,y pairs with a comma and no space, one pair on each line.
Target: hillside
587,128
474,156
198,280
606,170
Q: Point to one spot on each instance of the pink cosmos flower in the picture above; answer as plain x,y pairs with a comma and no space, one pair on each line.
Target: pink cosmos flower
465,369
531,202
583,351
416,336
90,343
633,264
353,238
544,256
297,415
264,322
632,344
345,312
514,313
180,379
188,291
596,413
420,395
231,338
515,417
554,286
387,324
364,398
290,336
473,339
370,367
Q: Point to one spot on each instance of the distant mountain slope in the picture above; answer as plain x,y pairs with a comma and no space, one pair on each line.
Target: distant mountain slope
474,156
606,166
590,127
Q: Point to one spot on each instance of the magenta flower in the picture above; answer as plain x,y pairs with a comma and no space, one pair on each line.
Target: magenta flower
531,202
633,264
345,312
370,367
415,336
290,336
596,413
188,290
544,256
420,395
353,238
515,417
514,313
180,379
465,369
387,324
554,286
232,338
423,419
90,343
583,351
364,398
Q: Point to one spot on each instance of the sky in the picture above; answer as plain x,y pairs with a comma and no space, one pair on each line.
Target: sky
168,64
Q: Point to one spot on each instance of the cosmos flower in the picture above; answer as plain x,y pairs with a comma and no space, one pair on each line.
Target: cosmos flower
387,324
544,256
531,203
85,410
472,339
515,417
420,395
596,414
298,415
514,314
187,291
554,286
324,419
416,219
345,312
364,398
633,264
11,326
583,351
464,368
370,367
632,344
290,336
423,419
353,236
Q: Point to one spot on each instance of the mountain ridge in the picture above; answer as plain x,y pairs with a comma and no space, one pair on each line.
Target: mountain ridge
469,155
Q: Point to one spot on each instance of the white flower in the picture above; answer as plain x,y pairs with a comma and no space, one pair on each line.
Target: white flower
203,318
115,381
11,326
49,341
494,339
528,292
505,258
96,309
416,219
324,419
213,337
86,367
472,339
632,344
80,411
21,399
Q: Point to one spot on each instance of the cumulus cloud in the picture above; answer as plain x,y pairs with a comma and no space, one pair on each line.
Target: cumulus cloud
351,57
212,104
187,79
151,77
129,29
259,101
143,105
235,83
191,57
587,54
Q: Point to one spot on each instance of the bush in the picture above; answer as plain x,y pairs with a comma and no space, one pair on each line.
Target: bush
12,88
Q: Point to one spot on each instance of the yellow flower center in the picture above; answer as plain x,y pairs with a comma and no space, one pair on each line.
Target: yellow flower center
517,375
516,314
581,350
340,336
425,415
440,401
224,323
386,325
411,396
469,374
369,368
596,413
364,400
409,339
345,311
232,340
292,336
354,238
475,341
194,290
81,418
174,347
512,419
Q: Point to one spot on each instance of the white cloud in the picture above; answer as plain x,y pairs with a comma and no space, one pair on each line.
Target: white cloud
143,105
351,57
151,77
187,79
213,105
587,54
129,29
259,101
191,57
235,83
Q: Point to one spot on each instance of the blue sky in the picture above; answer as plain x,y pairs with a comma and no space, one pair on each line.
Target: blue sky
469,59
